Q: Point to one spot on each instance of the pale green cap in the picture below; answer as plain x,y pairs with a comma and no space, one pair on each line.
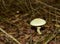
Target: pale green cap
37,22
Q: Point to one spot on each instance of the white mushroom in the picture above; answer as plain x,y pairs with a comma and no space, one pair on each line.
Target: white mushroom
38,22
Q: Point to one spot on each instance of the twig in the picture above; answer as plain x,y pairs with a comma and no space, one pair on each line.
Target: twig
48,12
47,5
57,25
3,2
10,36
56,21
49,39
26,4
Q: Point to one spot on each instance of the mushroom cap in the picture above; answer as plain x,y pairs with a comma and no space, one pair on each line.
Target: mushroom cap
37,22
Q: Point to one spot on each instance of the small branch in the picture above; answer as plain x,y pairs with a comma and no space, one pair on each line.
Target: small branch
57,25
47,5
55,20
49,12
49,39
10,36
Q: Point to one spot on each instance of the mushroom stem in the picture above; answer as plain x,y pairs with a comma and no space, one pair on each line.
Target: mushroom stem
38,30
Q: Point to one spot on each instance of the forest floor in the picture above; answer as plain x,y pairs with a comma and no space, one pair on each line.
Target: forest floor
18,25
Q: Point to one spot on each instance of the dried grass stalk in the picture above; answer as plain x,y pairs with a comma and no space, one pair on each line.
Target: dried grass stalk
10,36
